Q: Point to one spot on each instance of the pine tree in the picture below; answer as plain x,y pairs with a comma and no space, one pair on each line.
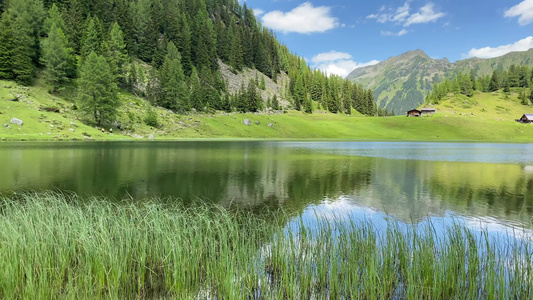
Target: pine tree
308,105
174,90
74,18
197,98
6,47
146,30
299,94
494,82
91,41
132,78
254,100
275,103
57,57
523,97
97,89
117,54
203,43
26,18
236,54
54,18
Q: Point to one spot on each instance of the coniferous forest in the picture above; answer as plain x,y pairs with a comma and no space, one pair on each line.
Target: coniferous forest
168,51
468,83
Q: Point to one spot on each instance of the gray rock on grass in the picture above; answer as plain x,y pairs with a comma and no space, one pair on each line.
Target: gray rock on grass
17,121
247,122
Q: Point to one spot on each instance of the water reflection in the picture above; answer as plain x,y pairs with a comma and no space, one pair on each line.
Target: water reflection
289,175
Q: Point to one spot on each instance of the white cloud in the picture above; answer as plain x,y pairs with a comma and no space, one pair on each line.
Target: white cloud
398,16
402,15
338,63
489,52
303,19
426,15
390,33
523,10
258,12
330,56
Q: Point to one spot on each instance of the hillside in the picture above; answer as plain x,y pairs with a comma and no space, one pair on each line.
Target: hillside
188,57
484,117
402,82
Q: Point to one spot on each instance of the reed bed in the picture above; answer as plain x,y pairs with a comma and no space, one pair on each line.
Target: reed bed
59,246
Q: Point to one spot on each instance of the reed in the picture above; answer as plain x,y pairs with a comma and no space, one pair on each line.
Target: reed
59,246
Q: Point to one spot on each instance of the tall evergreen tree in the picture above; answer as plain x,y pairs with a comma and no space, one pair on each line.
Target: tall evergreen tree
494,82
203,42
6,48
117,54
254,100
97,89
174,90
75,16
24,49
92,41
54,18
197,97
57,57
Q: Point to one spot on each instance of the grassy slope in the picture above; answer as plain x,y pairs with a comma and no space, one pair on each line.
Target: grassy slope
486,117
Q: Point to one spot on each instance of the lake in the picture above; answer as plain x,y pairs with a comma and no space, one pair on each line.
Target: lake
358,220
411,181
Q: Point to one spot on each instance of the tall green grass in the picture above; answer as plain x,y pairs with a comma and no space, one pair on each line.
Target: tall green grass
59,246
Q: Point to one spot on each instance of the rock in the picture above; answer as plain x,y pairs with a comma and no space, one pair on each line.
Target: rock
151,137
6,125
17,121
257,122
52,126
247,122
71,129
270,125
138,136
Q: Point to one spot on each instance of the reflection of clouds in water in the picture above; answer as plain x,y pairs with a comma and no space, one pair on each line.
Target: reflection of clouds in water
345,208
494,226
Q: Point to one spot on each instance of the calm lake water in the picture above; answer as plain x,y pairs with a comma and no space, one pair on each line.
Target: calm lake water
488,184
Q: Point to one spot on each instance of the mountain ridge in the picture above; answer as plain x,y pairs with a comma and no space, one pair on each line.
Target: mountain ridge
402,82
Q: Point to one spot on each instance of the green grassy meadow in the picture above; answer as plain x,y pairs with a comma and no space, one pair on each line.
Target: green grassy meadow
55,246
485,117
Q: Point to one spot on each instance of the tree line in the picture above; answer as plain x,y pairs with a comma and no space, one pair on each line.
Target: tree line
165,50
468,83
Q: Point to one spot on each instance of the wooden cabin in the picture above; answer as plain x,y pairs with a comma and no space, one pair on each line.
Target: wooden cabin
414,113
427,111
527,118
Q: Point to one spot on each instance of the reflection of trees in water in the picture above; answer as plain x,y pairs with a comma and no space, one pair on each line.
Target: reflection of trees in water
412,190
252,174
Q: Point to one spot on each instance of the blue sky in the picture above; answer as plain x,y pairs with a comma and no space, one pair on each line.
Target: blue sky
340,35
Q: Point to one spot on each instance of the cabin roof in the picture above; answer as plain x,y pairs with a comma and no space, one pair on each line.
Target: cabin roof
427,108
528,116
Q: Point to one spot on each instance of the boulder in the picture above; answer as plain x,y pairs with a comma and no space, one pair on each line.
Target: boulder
17,121
257,122
247,122
270,125
151,137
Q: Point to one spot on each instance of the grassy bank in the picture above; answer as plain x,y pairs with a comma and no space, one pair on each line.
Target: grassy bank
485,117
57,246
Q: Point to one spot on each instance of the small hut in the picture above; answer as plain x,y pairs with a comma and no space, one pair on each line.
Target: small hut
427,111
414,113
527,118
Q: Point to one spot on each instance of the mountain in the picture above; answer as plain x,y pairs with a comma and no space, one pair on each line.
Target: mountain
402,82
